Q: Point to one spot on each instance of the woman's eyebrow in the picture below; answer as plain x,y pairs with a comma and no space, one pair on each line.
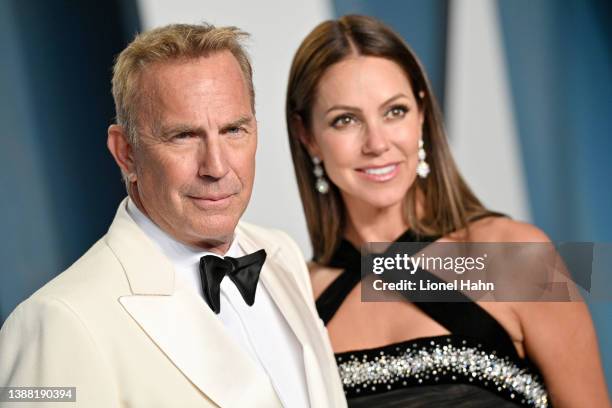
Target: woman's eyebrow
353,108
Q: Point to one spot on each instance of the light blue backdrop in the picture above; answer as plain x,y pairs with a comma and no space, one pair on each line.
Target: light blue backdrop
59,185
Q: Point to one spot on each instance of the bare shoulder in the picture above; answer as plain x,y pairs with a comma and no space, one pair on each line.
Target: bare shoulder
502,229
321,277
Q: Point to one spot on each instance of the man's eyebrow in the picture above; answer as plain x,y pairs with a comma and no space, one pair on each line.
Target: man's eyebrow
179,128
168,131
241,121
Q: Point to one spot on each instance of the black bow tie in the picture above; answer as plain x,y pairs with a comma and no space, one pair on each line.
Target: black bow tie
243,271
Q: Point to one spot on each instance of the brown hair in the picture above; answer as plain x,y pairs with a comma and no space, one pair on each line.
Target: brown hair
447,203
169,43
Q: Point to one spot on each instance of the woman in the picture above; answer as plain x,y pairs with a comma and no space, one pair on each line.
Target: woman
373,165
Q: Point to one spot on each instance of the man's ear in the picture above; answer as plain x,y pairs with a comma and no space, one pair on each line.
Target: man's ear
305,136
121,149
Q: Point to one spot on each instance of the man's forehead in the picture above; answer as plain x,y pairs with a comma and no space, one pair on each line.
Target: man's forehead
192,91
214,66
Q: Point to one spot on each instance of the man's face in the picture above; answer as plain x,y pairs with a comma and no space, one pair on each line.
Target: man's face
195,161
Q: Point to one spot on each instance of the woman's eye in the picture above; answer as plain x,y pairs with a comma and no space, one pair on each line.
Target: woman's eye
342,121
398,111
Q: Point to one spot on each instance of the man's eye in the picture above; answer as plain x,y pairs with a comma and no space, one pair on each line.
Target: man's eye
343,121
235,130
184,135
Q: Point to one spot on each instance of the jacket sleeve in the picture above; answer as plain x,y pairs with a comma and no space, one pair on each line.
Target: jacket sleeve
43,343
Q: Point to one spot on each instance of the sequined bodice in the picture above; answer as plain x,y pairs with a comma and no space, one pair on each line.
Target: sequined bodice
478,354
439,360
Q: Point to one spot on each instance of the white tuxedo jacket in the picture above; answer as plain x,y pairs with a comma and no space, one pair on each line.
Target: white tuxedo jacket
118,326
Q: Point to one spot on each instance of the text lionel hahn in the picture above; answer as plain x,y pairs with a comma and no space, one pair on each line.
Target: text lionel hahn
455,285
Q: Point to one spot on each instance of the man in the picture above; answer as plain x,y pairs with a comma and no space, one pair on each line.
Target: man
145,318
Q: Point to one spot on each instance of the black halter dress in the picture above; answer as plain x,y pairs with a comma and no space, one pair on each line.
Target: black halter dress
476,365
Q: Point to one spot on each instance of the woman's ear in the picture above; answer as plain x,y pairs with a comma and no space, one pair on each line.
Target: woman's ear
421,104
304,136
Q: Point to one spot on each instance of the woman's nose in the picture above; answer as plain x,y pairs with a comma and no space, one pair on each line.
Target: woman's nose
376,141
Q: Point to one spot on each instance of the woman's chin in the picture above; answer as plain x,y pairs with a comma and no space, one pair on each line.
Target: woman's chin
374,199
387,205
383,203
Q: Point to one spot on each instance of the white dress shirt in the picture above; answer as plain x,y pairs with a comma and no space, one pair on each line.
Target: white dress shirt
261,329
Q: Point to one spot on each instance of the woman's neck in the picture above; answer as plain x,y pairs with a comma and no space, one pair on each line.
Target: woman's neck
369,224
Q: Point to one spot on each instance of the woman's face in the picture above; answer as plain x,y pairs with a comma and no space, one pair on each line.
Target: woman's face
365,128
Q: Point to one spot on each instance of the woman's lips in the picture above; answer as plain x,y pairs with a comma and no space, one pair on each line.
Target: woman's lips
379,173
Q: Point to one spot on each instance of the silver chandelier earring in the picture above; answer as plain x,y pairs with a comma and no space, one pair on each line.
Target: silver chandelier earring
422,166
321,184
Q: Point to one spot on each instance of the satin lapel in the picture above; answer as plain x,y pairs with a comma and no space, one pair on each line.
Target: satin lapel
184,328
283,289
289,300
192,337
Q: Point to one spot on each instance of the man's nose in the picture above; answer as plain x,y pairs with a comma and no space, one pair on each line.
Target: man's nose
213,163
376,141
